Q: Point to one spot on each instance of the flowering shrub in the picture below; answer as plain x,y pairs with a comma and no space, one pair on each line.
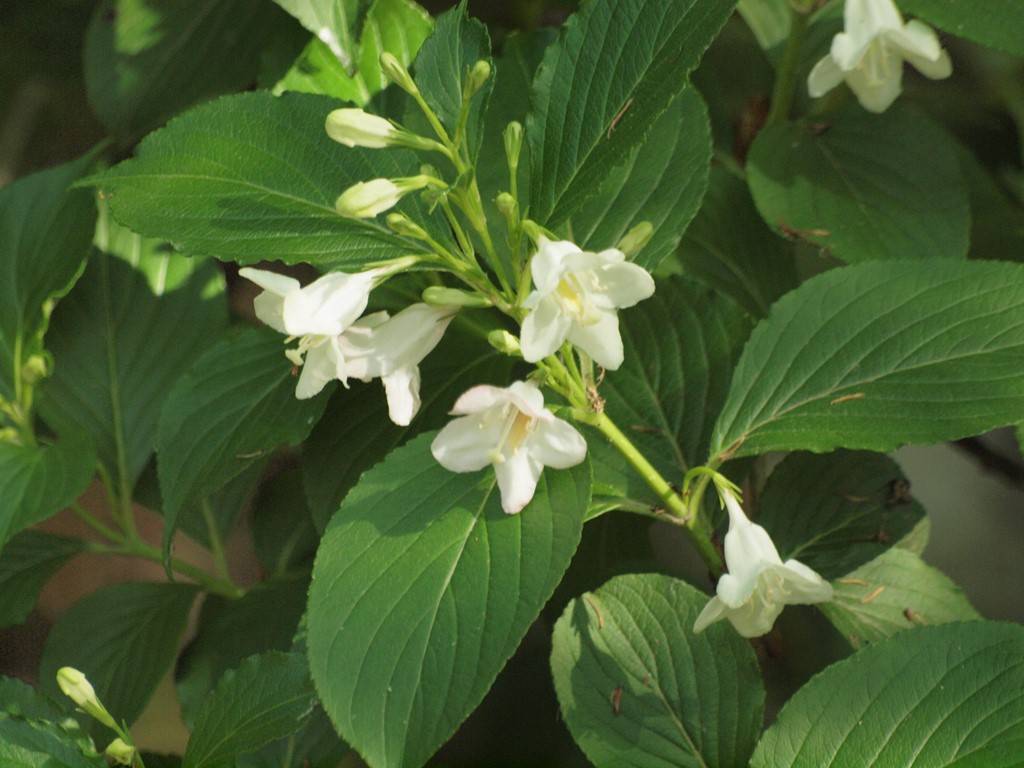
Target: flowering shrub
597,284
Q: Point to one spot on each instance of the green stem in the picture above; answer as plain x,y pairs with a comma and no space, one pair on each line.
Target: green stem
785,77
220,559
103,530
672,502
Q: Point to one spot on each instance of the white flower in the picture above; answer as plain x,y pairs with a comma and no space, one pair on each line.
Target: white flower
356,128
391,348
511,429
752,594
317,314
575,299
870,52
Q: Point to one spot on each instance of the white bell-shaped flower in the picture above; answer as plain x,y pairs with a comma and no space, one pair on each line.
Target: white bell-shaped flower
576,298
758,585
356,128
317,314
510,429
391,349
869,54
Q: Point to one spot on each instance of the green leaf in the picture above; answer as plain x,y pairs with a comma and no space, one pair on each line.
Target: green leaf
315,746
997,221
442,66
681,346
864,186
616,67
124,638
254,177
942,696
638,688
894,592
45,231
146,60
334,21
37,744
282,526
768,20
236,405
355,432
266,698
836,511
38,482
29,560
20,699
995,23
264,619
728,248
120,340
422,589
396,26
877,355
662,183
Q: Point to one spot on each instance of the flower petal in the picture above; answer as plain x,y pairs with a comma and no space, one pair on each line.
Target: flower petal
876,95
402,387
327,306
825,76
626,284
547,264
479,399
464,445
320,367
939,69
713,611
601,340
280,285
915,39
517,480
754,620
803,585
544,330
557,444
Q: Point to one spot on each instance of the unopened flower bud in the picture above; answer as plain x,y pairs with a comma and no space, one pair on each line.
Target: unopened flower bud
34,370
513,136
120,753
403,225
505,342
477,77
397,73
356,128
507,205
366,199
636,238
75,686
440,296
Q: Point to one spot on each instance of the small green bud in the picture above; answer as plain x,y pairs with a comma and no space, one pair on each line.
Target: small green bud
440,296
397,73
513,136
75,686
120,753
507,205
636,238
10,435
34,370
477,77
505,342
403,225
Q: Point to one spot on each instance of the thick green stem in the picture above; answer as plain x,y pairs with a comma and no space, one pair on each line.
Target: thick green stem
785,76
672,502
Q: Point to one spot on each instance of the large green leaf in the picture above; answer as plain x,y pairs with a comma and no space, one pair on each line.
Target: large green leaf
264,619
638,688
836,511
442,66
396,26
662,183
894,592
728,248
864,186
124,638
120,340
254,177
941,696
315,746
616,67
333,21
877,355
996,23
45,231
29,560
236,405
266,698
355,432
422,589
39,744
997,221
38,482
146,60
681,345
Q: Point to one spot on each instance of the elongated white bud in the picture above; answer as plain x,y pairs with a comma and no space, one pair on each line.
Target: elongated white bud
356,128
77,688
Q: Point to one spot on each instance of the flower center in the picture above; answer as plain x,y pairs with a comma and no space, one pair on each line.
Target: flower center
574,297
877,63
517,427
306,343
